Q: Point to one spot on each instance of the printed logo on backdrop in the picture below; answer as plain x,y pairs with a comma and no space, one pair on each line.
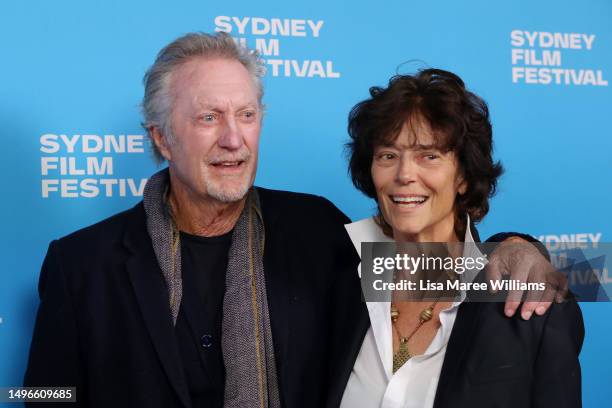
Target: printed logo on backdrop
560,241
568,250
74,166
545,58
266,37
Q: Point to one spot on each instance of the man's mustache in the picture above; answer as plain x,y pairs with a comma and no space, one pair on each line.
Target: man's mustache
235,157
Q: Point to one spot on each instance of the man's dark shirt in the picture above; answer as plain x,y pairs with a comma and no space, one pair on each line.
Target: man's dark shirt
198,326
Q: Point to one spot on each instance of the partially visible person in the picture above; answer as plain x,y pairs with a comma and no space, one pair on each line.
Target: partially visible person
422,149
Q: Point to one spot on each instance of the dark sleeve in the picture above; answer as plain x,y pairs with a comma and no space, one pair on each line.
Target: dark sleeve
53,360
557,379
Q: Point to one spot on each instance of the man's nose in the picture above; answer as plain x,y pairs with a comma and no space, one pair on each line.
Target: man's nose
231,137
406,171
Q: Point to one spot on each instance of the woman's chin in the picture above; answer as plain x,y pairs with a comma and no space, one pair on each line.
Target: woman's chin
412,234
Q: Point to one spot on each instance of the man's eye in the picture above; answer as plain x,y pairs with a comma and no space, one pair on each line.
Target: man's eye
432,156
248,114
209,117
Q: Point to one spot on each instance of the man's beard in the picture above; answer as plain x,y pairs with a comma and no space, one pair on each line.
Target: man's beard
224,193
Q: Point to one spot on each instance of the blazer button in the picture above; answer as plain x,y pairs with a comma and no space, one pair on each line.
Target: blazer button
206,340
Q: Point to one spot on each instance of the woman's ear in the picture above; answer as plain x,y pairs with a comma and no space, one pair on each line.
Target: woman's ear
461,185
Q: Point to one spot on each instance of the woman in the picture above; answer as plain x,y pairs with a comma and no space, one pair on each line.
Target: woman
422,148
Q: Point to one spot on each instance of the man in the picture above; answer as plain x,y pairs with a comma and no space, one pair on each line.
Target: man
209,293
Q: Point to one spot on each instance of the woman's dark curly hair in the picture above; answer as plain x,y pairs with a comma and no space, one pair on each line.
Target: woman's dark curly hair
458,118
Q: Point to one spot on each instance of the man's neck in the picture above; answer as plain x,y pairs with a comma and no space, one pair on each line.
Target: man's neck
203,216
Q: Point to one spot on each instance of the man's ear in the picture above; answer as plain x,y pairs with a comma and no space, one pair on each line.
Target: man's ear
160,142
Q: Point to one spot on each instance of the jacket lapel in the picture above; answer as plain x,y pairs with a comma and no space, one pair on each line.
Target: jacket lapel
152,296
458,344
279,292
343,363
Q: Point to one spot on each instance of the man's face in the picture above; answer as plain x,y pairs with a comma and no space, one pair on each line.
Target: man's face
216,121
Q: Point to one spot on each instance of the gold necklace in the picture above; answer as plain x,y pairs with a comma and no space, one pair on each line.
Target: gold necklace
403,354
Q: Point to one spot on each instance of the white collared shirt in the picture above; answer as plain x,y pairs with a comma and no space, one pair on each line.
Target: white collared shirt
372,382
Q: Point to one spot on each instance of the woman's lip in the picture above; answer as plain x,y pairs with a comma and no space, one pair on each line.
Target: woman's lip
407,204
408,198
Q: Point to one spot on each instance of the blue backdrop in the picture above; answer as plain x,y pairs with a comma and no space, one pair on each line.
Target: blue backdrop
75,153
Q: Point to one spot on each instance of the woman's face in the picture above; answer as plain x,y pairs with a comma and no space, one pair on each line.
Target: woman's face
416,185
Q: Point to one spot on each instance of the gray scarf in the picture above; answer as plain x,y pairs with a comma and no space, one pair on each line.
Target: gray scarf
246,340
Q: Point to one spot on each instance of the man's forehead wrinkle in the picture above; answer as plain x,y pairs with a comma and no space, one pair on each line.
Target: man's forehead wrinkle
201,102
212,89
209,102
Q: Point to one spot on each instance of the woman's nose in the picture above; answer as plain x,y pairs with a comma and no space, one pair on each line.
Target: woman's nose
406,171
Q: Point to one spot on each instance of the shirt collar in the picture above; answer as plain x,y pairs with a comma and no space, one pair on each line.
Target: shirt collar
367,230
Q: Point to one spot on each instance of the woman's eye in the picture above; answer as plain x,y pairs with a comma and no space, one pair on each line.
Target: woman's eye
386,156
432,156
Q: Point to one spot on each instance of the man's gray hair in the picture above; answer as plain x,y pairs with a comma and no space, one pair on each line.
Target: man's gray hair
158,100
